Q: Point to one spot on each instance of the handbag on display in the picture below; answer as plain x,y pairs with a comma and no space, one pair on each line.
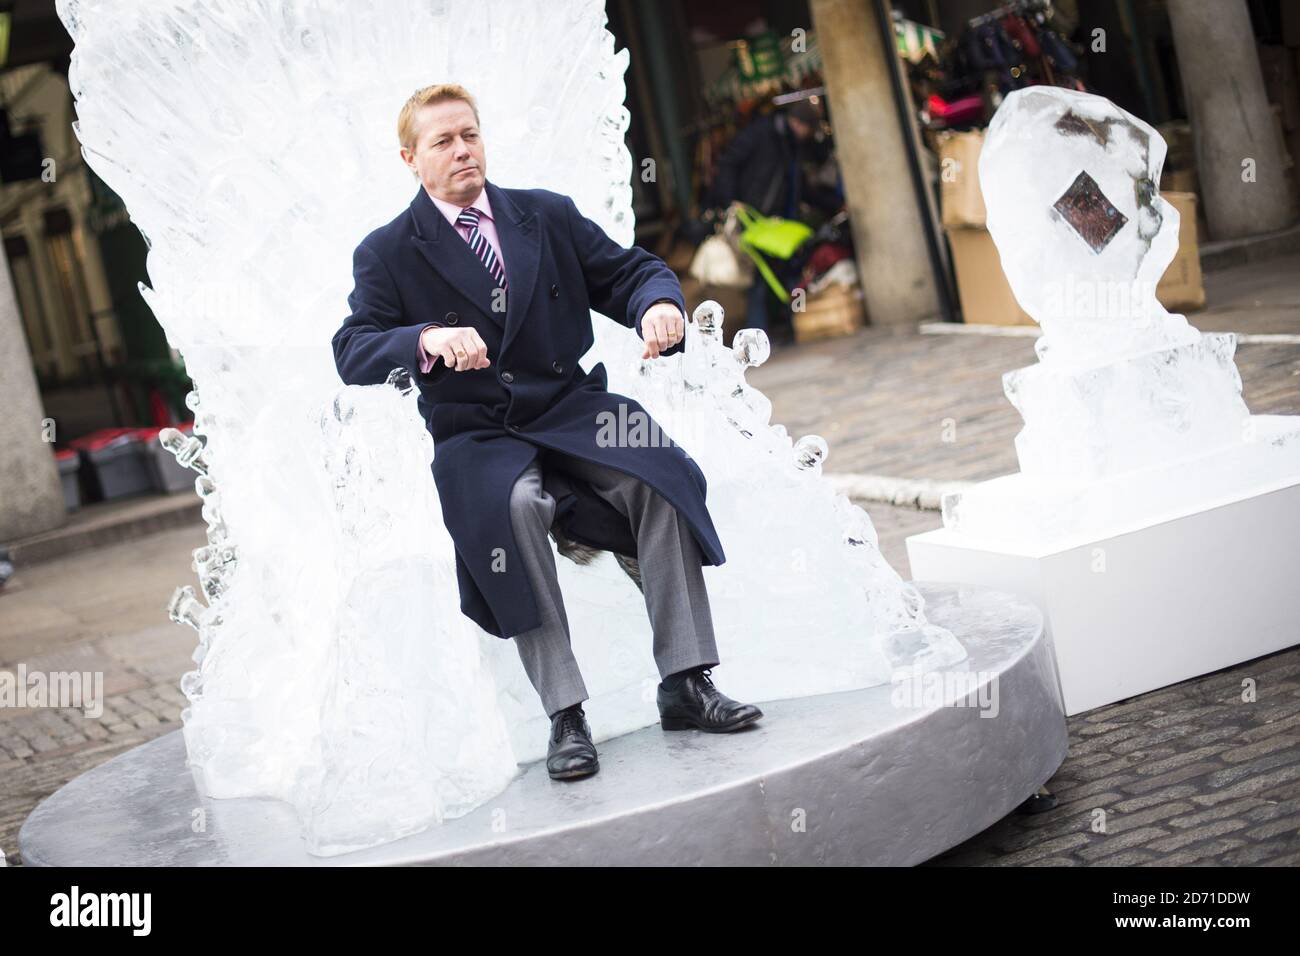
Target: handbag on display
718,261
772,236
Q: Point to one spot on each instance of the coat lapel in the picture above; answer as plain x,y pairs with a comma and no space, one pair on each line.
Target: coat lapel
448,253
521,249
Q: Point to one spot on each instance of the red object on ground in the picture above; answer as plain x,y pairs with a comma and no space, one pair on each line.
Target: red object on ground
162,413
825,256
103,438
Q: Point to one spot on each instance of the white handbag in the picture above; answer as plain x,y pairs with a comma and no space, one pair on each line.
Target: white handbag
718,262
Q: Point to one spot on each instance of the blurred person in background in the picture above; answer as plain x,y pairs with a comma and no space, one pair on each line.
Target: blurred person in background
762,167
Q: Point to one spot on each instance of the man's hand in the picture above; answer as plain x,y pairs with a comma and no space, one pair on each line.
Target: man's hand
662,327
461,349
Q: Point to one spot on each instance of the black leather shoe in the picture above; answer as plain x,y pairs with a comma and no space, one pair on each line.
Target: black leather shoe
571,753
697,703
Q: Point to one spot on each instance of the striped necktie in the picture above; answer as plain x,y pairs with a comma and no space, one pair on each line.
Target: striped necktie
479,245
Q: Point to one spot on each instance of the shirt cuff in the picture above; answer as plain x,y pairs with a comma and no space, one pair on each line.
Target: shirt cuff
426,360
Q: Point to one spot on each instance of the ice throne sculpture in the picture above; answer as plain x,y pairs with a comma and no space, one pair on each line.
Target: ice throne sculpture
252,142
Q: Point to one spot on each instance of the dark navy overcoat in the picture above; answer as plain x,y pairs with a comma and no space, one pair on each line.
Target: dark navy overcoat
489,424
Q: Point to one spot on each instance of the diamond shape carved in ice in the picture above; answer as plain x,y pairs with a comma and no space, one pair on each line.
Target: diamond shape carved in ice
1121,235
1090,214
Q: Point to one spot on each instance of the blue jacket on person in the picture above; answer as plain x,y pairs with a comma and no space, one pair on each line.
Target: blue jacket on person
489,424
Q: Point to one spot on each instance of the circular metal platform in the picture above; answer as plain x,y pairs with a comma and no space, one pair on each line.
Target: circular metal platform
889,775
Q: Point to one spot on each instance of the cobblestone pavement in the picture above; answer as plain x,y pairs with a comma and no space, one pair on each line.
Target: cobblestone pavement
1262,297
99,611
1186,775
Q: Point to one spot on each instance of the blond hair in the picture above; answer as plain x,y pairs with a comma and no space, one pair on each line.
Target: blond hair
425,96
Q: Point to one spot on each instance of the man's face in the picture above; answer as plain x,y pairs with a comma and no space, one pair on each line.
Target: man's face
448,156
802,131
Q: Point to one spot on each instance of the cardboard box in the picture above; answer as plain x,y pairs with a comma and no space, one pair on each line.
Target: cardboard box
1179,181
1180,288
960,201
835,310
1180,151
986,298
1185,181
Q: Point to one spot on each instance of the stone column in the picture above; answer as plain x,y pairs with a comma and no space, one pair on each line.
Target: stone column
1232,124
47,287
31,496
888,229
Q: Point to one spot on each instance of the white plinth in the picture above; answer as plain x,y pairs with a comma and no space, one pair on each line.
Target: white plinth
1154,605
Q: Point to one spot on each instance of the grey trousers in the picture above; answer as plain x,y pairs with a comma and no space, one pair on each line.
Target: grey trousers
671,577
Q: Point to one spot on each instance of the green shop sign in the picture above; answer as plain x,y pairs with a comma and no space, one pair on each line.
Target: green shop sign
758,57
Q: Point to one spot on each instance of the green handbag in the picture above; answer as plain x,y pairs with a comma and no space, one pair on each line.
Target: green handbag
776,237
772,235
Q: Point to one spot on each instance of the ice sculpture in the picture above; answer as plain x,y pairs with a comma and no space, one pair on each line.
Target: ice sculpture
253,143
1131,414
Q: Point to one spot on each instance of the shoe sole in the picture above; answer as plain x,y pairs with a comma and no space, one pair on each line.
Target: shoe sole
575,774
686,723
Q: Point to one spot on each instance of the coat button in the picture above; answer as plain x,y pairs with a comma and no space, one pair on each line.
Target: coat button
451,318
507,377
557,368
555,292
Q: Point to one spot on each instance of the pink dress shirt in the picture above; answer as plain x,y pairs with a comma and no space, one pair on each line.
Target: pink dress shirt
489,230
